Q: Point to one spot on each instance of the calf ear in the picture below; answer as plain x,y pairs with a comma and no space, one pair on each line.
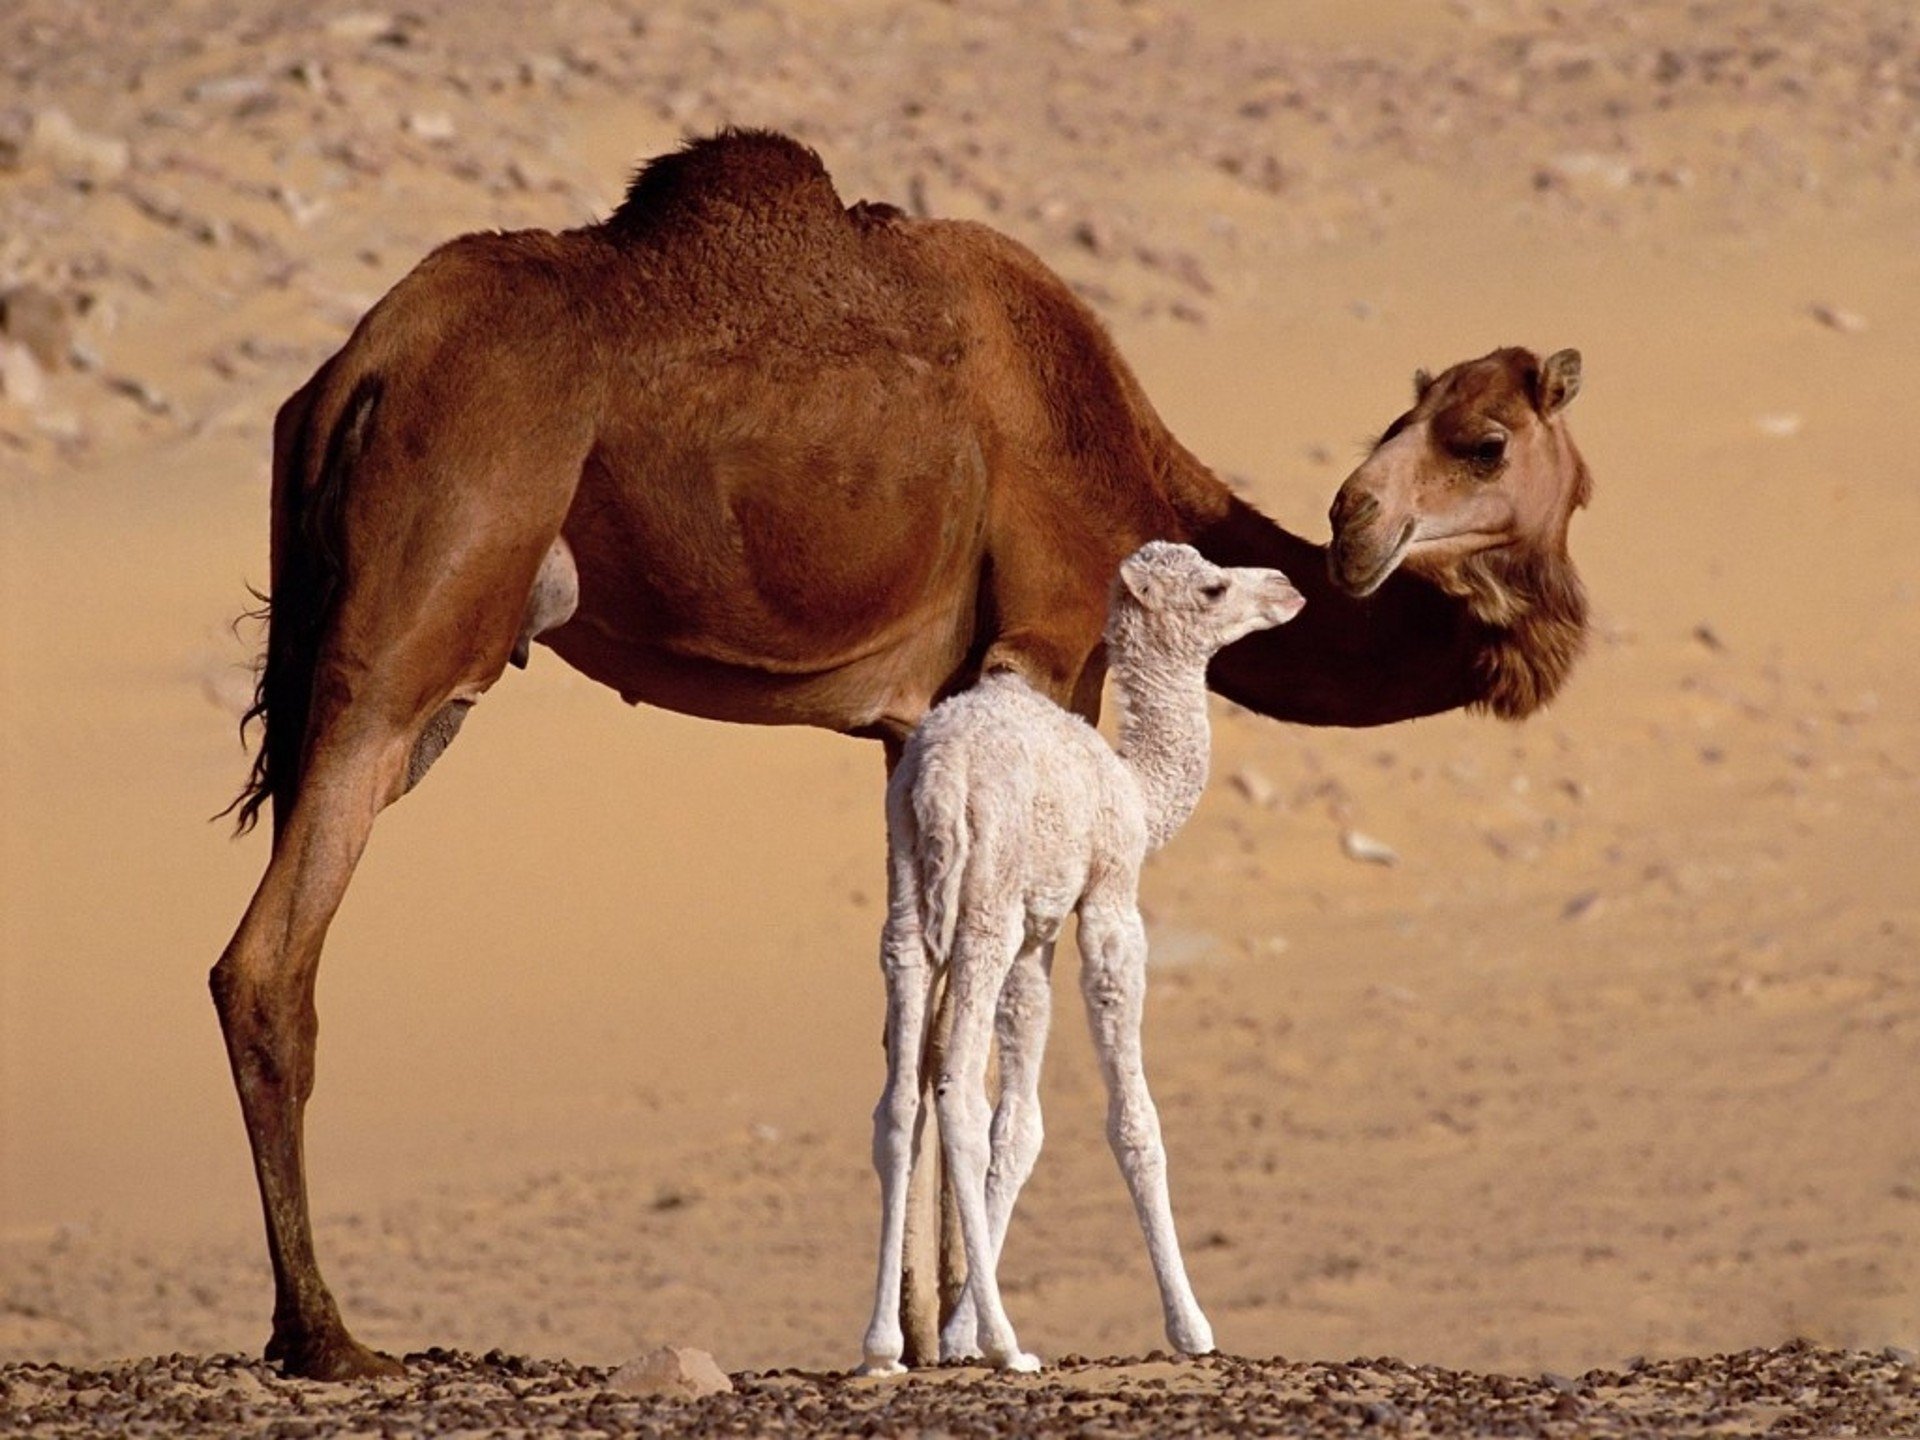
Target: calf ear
1142,583
1559,380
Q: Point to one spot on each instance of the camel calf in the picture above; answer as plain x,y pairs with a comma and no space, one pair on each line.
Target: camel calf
1006,815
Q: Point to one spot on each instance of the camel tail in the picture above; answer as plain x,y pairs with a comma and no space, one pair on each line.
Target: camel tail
308,565
940,816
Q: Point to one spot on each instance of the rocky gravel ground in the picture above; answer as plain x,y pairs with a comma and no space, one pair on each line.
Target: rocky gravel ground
1793,1389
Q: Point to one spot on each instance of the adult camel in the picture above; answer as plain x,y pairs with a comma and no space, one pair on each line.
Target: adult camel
745,452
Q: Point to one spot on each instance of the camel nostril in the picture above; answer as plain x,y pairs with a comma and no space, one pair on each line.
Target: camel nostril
1353,507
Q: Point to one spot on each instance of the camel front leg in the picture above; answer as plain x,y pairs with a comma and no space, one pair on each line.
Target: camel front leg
1113,949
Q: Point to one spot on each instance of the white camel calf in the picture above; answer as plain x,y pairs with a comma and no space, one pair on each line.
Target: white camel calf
1005,815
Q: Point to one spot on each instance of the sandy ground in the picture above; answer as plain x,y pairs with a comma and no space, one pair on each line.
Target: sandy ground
1617,1057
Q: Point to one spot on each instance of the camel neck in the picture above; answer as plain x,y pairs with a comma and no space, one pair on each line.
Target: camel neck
1164,737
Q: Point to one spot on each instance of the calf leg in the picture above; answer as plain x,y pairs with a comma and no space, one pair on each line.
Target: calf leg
1113,948
1020,1027
981,960
897,1120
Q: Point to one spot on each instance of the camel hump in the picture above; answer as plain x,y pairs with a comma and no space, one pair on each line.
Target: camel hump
733,176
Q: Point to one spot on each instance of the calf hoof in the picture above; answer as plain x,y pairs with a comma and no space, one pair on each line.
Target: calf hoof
1192,1339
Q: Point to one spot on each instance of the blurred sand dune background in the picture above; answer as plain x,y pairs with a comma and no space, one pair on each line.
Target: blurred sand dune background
1616,1055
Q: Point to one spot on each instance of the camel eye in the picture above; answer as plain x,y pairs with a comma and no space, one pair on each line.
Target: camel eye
1488,451
1214,590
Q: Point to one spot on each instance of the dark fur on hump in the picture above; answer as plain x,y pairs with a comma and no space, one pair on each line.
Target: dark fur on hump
734,176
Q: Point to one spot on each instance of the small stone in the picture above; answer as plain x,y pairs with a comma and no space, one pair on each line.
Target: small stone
21,380
1254,787
1586,903
673,1372
230,89
1367,850
363,26
36,317
1779,424
74,152
143,394
1847,322
1576,168
433,126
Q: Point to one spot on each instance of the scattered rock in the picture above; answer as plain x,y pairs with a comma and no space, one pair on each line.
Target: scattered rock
1580,906
1369,851
433,126
363,27
1254,787
1779,424
75,153
230,89
1847,322
143,394
1583,169
673,1372
38,319
21,380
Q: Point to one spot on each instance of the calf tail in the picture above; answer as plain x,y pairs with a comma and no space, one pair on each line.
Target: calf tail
940,815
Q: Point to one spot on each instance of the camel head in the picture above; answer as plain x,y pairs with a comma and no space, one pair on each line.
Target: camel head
1482,463
1472,490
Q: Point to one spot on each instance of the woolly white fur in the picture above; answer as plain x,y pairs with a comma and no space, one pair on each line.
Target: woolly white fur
1006,815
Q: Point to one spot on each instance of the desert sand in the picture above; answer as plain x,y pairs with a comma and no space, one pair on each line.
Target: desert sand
1501,1048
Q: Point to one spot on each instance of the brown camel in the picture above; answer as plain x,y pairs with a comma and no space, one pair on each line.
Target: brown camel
748,453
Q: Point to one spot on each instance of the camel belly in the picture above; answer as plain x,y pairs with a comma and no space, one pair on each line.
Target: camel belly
884,690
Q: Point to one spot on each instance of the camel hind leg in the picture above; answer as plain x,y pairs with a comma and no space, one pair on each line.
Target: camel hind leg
422,621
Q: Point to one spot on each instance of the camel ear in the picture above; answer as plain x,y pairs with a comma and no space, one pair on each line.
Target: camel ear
1422,382
1559,380
1140,580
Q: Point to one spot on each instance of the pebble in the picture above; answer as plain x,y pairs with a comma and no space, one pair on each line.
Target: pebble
38,319
75,153
21,379
433,126
1254,787
1847,322
1356,845
672,1371
362,26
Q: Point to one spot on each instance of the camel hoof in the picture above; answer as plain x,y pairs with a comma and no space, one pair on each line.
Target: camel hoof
333,1357
872,1366
1021,1363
